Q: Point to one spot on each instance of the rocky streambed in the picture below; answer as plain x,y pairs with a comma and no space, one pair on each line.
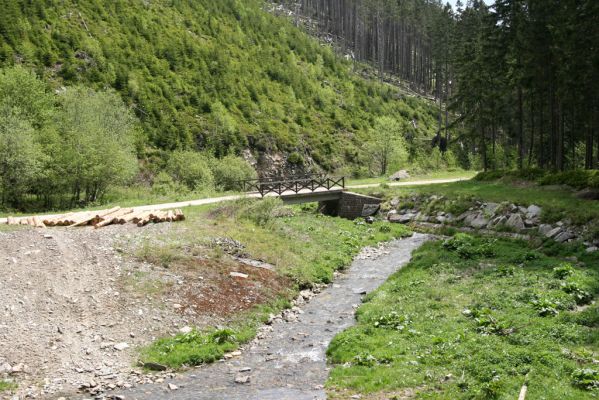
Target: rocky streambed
287,360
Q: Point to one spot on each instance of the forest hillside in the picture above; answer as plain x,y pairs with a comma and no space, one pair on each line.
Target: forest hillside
221,76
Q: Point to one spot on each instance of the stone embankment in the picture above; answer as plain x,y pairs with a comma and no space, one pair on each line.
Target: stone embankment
500,217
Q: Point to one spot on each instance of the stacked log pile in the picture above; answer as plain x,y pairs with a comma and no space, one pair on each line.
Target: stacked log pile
101,218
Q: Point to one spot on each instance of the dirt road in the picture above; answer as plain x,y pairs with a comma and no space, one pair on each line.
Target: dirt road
214,200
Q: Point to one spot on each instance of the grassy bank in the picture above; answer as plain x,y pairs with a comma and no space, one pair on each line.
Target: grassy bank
305,247
476,318
557,203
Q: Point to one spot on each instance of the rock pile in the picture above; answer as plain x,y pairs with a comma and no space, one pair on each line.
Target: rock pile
490,216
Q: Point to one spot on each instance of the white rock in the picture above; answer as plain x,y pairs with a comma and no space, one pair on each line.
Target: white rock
186,329
238,275
121,346
172,386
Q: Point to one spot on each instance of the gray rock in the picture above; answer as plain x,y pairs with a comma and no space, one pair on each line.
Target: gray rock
515,221
399,175
172,386
401,219
523,210
544,229
242,379
592,249
497,221
533,211
490,208
394,202
529,223
369,210
554,232
564,236
479,222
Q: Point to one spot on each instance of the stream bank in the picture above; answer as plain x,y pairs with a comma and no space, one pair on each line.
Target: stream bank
289,362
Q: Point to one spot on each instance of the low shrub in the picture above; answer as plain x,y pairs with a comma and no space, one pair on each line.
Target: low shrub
229,171
191,169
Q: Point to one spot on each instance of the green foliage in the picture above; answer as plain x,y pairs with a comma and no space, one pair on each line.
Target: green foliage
229,171
474,331
6,386
191,169
218,76
97,136
387,150
586,378
467,246
578,179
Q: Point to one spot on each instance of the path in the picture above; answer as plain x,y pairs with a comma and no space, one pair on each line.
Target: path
290,363
214,200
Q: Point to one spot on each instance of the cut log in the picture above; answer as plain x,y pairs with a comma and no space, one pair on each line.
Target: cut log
30,221
12,221
170,216
83,219
144,221
523,392
179,215
117,217
133,216
38,223
141,216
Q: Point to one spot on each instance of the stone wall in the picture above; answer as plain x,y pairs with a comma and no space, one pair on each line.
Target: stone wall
351,206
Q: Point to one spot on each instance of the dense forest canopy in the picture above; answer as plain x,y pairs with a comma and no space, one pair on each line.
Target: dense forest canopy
520,75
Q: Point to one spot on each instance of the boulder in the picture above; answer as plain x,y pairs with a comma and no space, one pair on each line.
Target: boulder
544,229
515,221
401,219
369,210
564,236
399,175
479,221
592,249
497,221
490,208
533,211
554,232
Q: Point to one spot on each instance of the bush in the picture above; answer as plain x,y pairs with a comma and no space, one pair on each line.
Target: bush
191,169
230,171
578,179
586,378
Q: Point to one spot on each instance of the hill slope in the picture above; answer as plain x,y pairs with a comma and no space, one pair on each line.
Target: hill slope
223,75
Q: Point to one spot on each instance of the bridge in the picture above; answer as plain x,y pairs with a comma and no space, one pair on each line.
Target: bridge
329,192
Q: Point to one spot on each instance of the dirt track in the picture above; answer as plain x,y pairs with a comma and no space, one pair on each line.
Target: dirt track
70,301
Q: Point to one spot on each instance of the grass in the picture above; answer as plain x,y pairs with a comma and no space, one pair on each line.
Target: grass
431,175
6,386
556,203
477,318
304,246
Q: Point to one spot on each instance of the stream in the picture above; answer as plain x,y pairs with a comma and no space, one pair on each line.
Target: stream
290,362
